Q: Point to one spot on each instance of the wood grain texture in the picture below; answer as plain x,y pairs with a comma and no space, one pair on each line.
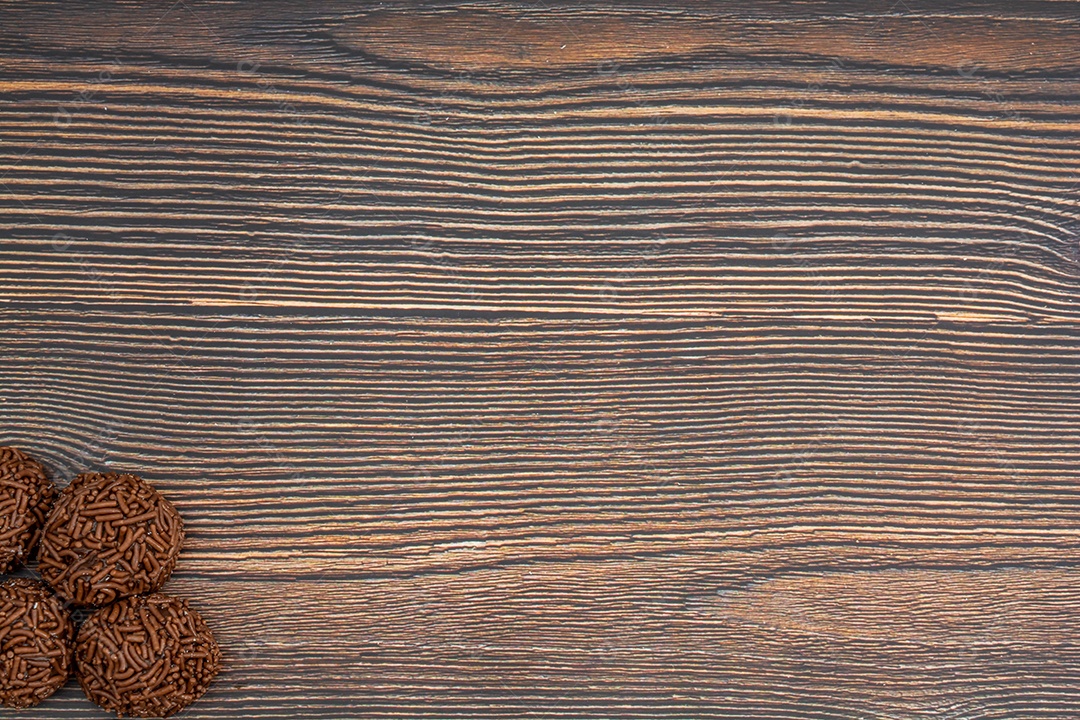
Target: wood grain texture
532,359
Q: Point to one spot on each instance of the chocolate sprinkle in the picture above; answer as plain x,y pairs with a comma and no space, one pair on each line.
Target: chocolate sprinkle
26,494
36,633
146,656
109,536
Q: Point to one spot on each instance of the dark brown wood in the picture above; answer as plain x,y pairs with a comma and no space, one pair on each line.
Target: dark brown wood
528,359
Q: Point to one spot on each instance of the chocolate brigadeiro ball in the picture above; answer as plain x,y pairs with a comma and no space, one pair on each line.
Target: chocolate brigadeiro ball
146,656
26,494
36,634
109,536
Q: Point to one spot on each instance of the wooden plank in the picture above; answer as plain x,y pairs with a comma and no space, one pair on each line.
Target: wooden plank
649,636
513,358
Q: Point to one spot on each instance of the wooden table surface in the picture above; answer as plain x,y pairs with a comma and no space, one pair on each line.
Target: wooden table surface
719,360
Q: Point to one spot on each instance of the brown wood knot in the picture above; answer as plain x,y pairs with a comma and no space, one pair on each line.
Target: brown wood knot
468,40
478,40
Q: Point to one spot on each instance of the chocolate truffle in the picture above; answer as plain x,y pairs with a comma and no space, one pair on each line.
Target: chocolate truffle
36,634
109,536
26,494
146,656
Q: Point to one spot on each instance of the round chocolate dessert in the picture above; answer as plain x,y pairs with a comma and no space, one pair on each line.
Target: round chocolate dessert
146,656
36,633
109,536
26,494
